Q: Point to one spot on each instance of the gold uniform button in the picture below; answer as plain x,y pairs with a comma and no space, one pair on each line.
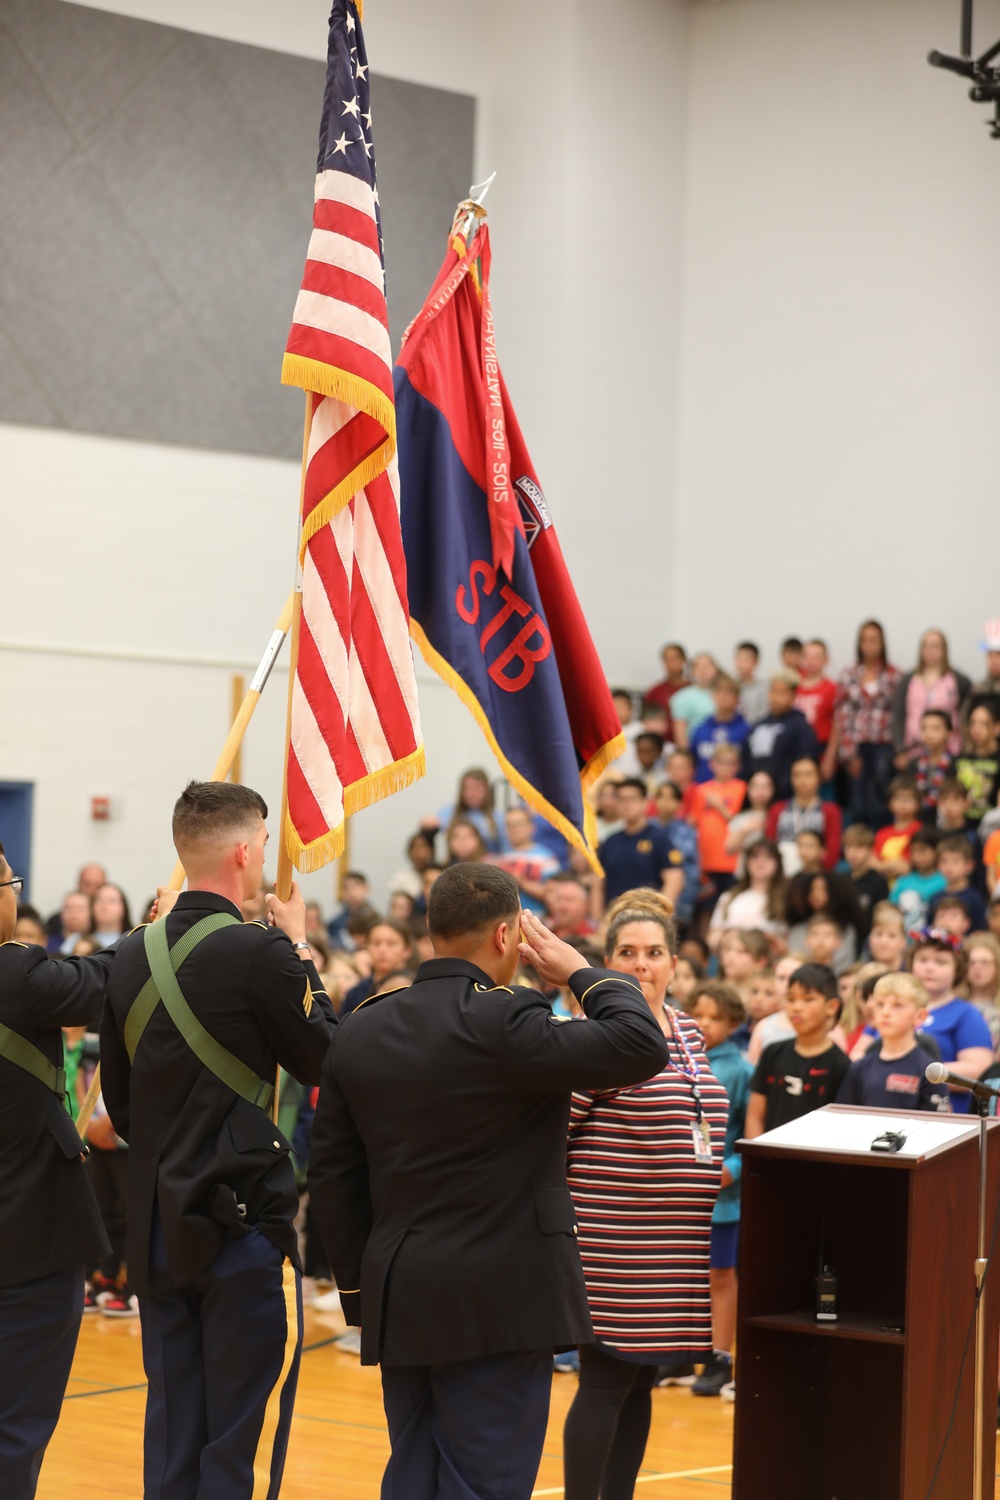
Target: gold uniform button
277,1145
575,1230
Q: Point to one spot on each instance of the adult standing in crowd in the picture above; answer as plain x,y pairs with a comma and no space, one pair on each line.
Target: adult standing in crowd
933,683
641,853
50,1226
644,1166
201,1009
72,922
675,677
866,695
438,1181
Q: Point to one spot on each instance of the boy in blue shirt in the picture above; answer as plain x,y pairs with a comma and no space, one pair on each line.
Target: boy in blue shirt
955,863
719,1012
726,726
914,893
640,854
891,1075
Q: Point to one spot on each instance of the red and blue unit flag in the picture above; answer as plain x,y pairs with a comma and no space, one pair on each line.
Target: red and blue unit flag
492,605
355,730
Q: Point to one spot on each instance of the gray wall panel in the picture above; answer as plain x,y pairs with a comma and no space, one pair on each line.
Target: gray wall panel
155,205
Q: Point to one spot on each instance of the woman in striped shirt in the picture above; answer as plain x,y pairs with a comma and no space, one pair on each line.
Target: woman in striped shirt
643,1166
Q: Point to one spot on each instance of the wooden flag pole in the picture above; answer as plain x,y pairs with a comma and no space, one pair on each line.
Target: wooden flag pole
283,879
222,768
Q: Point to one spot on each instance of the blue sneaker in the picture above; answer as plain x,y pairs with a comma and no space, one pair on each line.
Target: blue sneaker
567,1363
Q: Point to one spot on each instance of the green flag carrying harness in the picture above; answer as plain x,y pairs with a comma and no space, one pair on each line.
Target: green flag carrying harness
17,1050
162,985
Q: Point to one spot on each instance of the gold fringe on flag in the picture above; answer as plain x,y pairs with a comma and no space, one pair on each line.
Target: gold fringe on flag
308,858
323,380
531,794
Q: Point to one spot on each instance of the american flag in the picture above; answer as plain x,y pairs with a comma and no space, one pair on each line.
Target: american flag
355,731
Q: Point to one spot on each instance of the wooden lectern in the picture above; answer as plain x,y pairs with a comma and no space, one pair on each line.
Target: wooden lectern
858,1409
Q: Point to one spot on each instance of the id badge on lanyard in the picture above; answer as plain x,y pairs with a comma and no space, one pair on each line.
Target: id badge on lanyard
701,1135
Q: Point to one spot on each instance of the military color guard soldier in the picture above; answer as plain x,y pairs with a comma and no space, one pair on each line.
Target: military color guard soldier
50,1226
201,1009
438,1180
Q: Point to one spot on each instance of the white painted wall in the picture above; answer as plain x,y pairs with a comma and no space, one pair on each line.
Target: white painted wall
103,570
744,304
839,388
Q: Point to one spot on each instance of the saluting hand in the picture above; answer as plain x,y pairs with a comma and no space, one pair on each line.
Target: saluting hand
289,915
552,959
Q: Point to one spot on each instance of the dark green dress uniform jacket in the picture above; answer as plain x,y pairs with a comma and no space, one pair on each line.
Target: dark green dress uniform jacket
49,1220
196,1149
437,1172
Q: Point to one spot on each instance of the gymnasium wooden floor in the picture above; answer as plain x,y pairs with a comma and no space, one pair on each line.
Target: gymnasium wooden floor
338,1443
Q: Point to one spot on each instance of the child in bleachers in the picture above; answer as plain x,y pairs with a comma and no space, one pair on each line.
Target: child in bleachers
932,763
797,1076
743,953
887,939
667,804
982,981
688,974
951,916
939,962
870,886
719,1012
749,824
816,697
856,1014
955,861
913,893
891,1074
978,766
804,809
714,803
953,805
892,844
772,1024
757,900
823,937
680,770
809,852
724,726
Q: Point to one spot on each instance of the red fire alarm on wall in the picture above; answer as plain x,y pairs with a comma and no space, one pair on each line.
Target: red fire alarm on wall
100,809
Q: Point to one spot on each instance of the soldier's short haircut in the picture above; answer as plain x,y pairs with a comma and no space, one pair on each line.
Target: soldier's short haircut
471,898
211,812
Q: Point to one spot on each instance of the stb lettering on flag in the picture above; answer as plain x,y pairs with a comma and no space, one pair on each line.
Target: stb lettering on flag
355,731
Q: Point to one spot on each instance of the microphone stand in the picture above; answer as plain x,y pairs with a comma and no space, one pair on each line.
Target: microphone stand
983,1110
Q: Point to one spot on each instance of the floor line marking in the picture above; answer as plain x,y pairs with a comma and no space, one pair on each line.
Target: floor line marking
107,1390
651,1478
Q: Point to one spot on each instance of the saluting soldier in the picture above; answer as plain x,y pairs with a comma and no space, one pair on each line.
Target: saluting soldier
201,1010
50,1226
437,1178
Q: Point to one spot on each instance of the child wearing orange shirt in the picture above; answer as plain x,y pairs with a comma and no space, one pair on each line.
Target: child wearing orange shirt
713,804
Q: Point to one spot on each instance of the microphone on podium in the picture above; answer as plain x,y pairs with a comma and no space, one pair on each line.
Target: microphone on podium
936,1072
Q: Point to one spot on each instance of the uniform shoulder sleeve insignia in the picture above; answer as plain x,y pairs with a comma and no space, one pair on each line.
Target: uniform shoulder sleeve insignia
257,923
488,989
307,999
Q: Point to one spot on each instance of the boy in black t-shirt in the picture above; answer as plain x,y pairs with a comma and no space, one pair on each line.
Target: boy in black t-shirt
891,1076
869,886
795,1077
